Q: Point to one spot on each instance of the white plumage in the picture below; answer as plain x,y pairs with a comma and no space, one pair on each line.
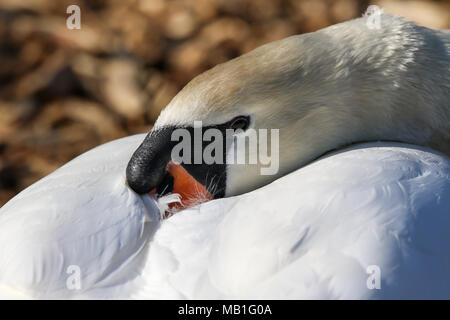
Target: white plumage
310,234
84,215
314,232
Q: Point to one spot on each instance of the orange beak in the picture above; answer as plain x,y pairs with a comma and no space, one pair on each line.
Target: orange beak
190,190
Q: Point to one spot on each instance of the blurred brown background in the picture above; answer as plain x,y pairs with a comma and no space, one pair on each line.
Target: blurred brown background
65,91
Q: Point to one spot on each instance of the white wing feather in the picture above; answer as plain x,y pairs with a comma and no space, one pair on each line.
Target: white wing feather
310,234
81,215
316,233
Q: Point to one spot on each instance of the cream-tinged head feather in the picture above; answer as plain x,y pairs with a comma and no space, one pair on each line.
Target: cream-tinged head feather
343,84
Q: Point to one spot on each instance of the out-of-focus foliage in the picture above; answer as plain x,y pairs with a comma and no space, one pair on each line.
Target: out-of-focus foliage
65,91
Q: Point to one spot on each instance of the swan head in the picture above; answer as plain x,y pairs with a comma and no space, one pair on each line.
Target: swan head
290,101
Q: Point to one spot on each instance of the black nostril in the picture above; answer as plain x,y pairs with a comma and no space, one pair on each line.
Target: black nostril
144,172
166,185
147,167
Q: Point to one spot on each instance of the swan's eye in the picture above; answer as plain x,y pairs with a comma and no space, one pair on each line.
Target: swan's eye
240,123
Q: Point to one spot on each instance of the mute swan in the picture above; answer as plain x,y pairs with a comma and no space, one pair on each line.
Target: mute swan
315,233
366,221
